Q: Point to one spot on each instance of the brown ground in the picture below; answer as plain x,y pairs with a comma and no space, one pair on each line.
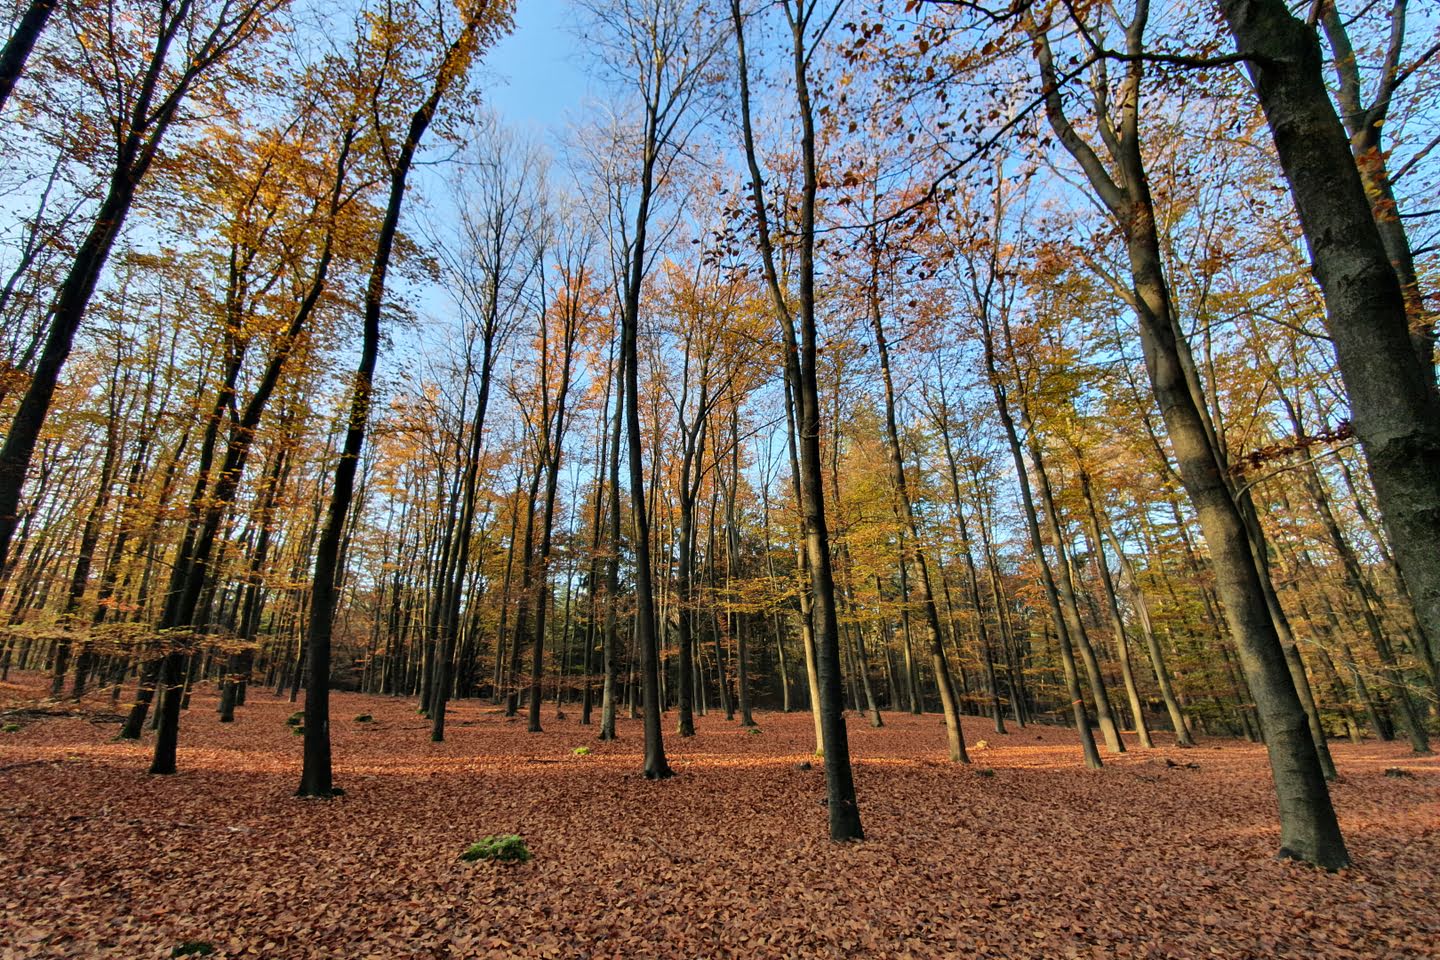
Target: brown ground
729,859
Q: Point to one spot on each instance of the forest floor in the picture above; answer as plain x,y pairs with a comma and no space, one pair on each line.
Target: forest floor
1022,854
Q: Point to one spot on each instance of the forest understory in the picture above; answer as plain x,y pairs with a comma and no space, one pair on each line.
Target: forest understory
1163,853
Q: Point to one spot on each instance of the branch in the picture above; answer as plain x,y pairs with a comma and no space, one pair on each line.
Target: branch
1421,154
1293,466
1180,60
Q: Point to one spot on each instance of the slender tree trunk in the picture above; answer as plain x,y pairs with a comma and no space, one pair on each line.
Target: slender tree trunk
732,571
316,777
552,443
801,372
1037,546
1152,644
21,42
1064,579
972,580
609,695
522,607
241,662
1117,623
939,665
89,541
146,126
592,579
802,572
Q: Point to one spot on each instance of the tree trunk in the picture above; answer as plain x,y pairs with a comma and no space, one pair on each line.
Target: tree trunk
924,588
1117,623
21,42
1308,828
801,371
1394,407
1152,644
1037,546
316,778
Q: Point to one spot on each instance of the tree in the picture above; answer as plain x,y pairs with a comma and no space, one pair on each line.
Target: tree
21,43
662,49
156,61
1309,830
1394,406
489,272
799,349
480,22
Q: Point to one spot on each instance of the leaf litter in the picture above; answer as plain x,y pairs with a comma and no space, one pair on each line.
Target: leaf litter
1162,854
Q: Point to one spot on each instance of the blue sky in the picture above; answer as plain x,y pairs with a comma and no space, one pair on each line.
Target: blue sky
534,80
540,80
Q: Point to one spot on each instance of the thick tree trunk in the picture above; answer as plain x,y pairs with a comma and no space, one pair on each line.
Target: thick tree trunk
1308,828
1394,407
1365,126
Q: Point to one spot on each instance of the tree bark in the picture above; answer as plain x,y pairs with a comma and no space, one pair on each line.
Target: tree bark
316,777
1394,407
1309,830
1037,546
924,588
1117,623
801,371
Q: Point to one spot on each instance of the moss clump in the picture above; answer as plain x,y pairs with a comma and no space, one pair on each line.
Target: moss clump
984,772
11,728
581,751
364,718
296,719
753,730
298,731
503,848
193,948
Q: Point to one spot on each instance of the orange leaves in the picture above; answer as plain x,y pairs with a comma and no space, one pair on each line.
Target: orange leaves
729,859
